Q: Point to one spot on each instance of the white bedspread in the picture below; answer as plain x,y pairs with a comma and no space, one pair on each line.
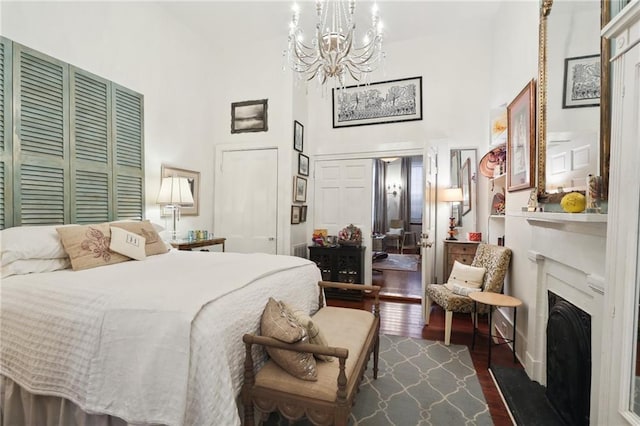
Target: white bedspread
157,341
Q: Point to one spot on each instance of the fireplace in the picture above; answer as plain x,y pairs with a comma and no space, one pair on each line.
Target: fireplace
568,360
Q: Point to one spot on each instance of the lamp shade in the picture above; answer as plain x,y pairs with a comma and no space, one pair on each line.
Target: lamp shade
175,190
452,194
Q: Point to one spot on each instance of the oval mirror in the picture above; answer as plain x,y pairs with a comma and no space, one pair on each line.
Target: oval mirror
573,97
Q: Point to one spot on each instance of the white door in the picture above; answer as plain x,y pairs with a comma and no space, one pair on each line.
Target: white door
429,221
343,196
247,198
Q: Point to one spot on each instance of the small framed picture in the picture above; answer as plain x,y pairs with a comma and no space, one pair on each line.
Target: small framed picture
249,116
303,214
298,134
299,189
303,165
295,215
581,82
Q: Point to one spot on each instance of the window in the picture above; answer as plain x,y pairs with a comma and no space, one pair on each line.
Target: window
416,190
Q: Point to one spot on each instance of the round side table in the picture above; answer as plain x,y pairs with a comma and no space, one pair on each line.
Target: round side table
495,300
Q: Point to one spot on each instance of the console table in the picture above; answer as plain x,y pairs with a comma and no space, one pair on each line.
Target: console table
189,245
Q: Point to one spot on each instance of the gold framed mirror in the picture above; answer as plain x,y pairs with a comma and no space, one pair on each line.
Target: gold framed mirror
572,141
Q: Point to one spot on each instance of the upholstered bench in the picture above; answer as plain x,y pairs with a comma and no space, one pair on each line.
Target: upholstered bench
352,335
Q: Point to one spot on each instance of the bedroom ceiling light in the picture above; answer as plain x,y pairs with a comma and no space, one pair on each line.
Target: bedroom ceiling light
332,52
175,192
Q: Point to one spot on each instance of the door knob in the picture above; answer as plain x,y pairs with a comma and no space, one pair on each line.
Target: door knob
271,238
426,244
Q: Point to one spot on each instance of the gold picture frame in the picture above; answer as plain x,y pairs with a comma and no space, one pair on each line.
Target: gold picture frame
521,139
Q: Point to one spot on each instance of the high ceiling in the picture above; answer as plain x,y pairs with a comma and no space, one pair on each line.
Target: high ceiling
222,22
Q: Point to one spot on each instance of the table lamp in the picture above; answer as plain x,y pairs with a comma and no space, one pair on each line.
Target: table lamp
175,192
452,195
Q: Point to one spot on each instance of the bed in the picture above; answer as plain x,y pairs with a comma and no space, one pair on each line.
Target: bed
156,341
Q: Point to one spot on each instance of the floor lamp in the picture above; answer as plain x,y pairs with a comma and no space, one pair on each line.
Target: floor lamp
175,192
452,195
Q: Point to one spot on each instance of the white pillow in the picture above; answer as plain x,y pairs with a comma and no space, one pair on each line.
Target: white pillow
395,231
29,266
127,243
465,275
31,242
464,291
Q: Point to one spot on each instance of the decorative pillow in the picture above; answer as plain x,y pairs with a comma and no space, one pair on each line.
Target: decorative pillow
88,246
31,242
154,244
276,322
127,243
463,290
30,266
465,275
395,231
314,333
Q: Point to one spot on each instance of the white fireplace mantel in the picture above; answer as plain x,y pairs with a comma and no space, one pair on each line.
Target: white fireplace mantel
569,253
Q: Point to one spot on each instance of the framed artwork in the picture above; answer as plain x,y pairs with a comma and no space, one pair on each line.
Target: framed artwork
303,213
498,125
378,103
299,189
465,184
194,183
303,165
298,136
521,125
295,215
249,116
581,82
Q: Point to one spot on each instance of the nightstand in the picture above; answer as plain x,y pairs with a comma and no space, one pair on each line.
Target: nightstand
462,251
189,245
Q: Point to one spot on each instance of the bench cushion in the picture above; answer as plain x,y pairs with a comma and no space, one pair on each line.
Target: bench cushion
344,328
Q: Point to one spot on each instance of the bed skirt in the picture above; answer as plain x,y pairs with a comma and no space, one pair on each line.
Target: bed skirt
21,408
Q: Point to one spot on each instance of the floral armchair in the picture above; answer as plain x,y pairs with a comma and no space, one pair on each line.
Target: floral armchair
495,259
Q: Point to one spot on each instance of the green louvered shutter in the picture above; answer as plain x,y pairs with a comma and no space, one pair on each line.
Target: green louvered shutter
128,128
6,146
91,152
41,138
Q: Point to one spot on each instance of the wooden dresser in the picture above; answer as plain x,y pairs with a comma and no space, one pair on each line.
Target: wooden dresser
462,251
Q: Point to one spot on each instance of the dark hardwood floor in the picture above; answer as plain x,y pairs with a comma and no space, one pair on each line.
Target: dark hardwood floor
401,315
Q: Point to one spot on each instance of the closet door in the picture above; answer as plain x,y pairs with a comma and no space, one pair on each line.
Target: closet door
128,152
6,146
91,168
40,138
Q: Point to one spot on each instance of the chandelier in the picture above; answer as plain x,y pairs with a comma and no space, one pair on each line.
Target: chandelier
332,52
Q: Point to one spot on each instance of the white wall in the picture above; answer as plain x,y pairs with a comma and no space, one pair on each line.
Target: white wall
140,47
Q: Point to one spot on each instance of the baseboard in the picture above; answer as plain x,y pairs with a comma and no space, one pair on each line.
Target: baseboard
504,401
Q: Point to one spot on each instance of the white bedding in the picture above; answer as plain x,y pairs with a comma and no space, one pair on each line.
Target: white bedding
157,341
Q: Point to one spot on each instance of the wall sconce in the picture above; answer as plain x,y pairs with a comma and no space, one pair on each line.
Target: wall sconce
175,193
394,189
452,195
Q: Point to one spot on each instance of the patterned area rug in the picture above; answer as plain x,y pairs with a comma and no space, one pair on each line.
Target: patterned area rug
420,382
398,262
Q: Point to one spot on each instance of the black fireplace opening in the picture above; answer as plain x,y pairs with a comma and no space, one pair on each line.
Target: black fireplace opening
568,360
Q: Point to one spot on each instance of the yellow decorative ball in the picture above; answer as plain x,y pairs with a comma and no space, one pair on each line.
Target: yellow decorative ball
574,202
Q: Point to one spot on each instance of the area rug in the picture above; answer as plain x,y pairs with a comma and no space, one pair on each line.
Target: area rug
420,382
398,262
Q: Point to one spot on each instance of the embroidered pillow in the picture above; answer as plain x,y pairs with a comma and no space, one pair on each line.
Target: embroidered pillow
313,331
276,322
465,275
153,242
88,246
127,243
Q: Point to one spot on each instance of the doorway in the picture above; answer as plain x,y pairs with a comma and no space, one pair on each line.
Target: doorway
397,218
